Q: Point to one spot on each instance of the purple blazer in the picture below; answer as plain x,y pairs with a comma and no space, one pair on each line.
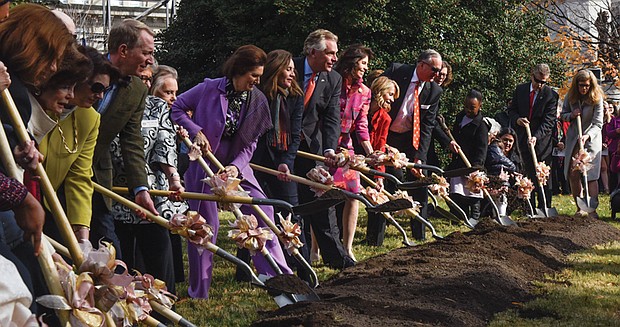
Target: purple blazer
208,102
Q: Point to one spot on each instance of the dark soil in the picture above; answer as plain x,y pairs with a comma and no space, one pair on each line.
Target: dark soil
462,280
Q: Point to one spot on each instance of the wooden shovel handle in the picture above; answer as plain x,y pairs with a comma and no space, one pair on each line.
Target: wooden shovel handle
293,178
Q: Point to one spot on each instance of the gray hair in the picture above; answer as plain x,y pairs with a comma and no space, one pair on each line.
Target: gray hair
159,76
541,69
316,40
427,54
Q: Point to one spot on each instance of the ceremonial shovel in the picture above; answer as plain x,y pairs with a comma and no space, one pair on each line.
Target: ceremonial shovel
546,212
585,203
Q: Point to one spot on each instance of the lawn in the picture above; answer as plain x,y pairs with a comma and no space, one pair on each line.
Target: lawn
592,281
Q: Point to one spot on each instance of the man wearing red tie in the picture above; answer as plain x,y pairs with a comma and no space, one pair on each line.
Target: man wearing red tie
320,130
535,103
413,119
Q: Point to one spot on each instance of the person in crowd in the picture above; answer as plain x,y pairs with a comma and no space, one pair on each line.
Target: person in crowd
444,78
320,132
612,130
608,113
584,99
472,134
383,91
230,114
413,119
146,245
503,154
165,86
372,75
354,105
66,136
16,281
560,185
32,56
131,47
502,116
146,76
277,148
500,151
534,104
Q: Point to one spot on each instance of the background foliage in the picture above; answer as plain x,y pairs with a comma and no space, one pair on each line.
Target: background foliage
491,44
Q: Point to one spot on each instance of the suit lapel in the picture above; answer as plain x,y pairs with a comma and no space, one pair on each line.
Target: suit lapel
321,83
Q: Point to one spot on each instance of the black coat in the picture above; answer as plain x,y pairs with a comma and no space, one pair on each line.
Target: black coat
542,122
266,155
473,139
321,119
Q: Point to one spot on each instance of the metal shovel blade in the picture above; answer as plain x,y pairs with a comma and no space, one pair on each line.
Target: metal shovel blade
288,289
328,199
393,205
587,204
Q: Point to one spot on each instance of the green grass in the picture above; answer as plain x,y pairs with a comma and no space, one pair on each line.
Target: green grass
237,304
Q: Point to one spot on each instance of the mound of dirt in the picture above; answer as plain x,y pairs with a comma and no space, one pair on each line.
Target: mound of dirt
461,280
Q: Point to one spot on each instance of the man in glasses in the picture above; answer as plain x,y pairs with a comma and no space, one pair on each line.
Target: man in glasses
413,119
534,104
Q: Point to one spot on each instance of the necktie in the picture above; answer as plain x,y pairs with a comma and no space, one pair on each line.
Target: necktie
309,89
532,94
415,103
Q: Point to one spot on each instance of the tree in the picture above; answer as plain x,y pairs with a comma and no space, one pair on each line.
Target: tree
491,44
588,34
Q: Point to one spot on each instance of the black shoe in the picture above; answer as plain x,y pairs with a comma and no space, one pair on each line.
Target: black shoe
348,262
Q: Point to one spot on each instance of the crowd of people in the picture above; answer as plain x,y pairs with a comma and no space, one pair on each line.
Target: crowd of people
114,119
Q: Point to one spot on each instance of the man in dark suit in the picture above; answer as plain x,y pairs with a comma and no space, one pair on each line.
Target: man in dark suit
320,131
413,119
535,103
131,47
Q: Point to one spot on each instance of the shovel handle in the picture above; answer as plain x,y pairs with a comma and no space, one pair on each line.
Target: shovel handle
578,119
170,315
293,178
530,145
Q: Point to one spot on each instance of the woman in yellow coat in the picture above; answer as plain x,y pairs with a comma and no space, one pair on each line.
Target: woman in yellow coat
69,146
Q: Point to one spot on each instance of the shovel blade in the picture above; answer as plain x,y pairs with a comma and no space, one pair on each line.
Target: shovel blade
551,212
506,221
393,205
586,204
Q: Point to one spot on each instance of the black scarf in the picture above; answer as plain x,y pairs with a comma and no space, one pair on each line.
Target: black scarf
235,101
280,135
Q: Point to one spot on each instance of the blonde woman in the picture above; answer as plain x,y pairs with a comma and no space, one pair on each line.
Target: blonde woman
585,99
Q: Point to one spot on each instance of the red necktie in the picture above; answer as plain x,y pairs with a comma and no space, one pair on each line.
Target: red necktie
309,89
532,95
415,103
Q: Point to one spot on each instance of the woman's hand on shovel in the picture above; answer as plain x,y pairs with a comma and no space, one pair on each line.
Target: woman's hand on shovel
283,169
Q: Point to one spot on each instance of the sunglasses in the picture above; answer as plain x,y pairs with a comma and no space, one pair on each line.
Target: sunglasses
434,69
98,88
539,81
584,85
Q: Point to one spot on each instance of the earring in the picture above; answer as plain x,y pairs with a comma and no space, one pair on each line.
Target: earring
37,91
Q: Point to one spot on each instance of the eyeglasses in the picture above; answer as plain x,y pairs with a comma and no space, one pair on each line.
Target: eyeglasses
584,85
434,69
539,81
146,78
98,88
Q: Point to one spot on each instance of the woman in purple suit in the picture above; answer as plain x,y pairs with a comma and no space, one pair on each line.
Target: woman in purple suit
229,115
